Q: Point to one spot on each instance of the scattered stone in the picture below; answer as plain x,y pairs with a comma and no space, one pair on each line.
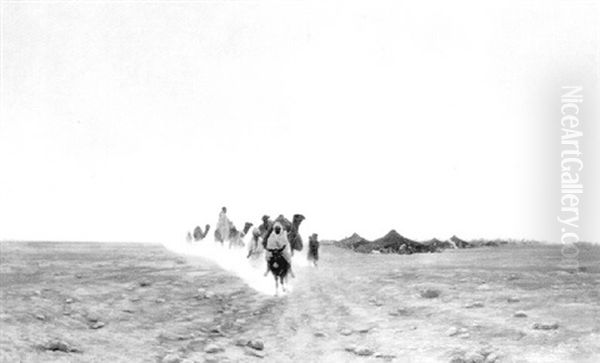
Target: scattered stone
69,301
513,299
430,293
168,336
375,301
160,300
400,312
492,358
97,325
350,348
474,305
254,353
201,294
145,283
320,334
346,332
171,358
59,346
213,348
452,331
241,321
92,318
520,314
134,299
256,344
474,357
513,277
241,342
464,336
196,345
545,326
40,317
385,356
483,287
485,351
364,329
363,351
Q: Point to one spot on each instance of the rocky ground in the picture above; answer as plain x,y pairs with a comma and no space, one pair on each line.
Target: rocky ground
84,302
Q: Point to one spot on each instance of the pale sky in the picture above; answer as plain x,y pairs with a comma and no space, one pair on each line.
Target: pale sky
136,121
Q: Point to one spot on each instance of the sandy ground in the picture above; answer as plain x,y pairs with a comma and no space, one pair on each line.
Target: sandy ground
143,303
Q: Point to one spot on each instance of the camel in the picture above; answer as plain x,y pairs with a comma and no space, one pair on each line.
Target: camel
294,233
236,238
292,229
199,234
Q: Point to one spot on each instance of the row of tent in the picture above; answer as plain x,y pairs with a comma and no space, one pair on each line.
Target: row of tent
394,242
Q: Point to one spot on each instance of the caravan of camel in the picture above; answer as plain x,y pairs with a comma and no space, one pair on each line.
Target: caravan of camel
275,241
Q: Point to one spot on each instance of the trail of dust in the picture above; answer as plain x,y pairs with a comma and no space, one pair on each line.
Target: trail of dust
234,260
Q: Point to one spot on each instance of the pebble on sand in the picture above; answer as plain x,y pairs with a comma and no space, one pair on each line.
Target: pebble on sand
40,317
364,329
254,353
213,348
362,351
171,358
476,304
452,331
520,314
492,358
241,342
399,312
97,325
59,346
430,293
385,356
346,332
545,326
256,344
474,357
467,357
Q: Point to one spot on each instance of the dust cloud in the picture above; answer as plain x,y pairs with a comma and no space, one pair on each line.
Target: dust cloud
234,260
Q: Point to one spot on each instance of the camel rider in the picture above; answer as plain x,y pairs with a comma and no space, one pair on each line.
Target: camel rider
264,228
255,244
278,240
223,226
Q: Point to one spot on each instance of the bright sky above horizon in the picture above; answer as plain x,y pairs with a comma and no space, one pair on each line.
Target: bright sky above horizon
136,121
